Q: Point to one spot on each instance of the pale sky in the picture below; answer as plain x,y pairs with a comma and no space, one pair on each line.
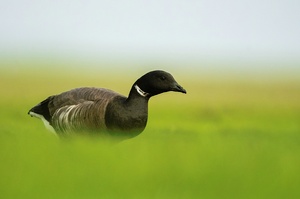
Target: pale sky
197,29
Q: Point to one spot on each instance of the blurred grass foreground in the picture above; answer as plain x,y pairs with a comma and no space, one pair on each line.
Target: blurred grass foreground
227,138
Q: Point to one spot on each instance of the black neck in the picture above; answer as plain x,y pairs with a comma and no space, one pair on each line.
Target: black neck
137,95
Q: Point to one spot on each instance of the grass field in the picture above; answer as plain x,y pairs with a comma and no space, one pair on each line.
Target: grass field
227,138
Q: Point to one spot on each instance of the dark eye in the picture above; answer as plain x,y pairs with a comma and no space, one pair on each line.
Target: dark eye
163,78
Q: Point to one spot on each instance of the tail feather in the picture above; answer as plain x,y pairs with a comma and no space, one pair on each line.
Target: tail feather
41,109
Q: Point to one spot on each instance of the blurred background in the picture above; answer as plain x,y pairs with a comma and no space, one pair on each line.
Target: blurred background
218,36
234,135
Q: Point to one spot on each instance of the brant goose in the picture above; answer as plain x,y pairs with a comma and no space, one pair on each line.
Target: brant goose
104,112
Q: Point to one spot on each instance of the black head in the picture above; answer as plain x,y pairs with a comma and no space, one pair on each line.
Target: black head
156,82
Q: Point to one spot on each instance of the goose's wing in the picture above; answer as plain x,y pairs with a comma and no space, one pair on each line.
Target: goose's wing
85,97
79,96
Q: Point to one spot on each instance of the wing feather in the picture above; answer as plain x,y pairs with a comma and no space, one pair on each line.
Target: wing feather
80,109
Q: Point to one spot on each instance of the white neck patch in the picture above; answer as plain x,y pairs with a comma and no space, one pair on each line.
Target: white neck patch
140,91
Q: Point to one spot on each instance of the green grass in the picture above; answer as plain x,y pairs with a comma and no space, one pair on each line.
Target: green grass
227,138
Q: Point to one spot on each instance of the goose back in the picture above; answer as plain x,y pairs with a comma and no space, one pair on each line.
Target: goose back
79,110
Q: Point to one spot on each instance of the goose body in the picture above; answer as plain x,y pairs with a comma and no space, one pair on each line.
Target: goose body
101,111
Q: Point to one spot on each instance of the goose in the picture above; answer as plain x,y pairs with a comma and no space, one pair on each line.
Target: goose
104,112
